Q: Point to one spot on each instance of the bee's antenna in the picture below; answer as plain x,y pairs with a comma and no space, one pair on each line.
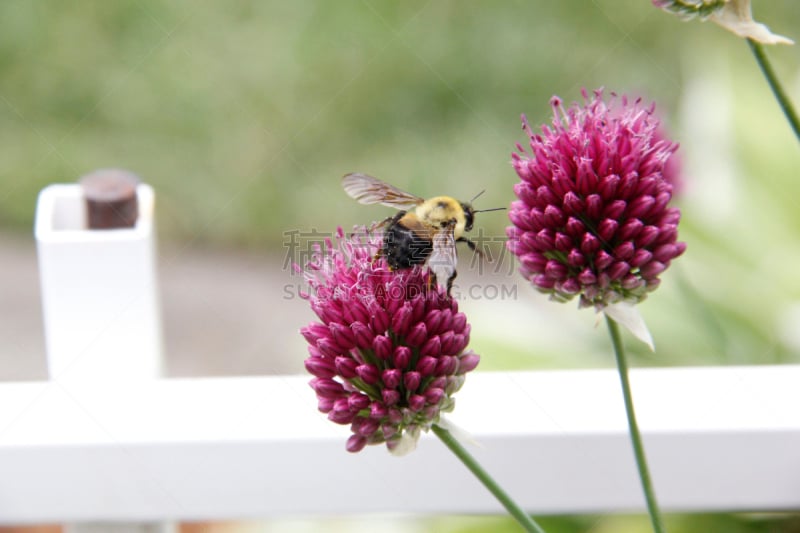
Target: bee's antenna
477,196
492,209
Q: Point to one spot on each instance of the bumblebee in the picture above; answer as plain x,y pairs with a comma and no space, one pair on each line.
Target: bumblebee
425,236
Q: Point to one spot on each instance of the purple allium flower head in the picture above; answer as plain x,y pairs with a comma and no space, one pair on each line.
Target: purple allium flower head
389,350
592,217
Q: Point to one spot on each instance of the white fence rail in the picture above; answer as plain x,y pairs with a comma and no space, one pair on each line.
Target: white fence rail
717,439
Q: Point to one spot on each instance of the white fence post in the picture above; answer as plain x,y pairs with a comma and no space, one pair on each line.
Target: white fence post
99,290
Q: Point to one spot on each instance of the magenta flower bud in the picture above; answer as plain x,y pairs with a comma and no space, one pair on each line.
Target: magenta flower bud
329,347
553,216
394,299
587,278
438,382
460,341
355,443
327,388
447,320
357,402
615,209
325,405
362,335
590,244
592,216
379,318
382,346
533,260
433,346
573,204
468,362
402,357
346,367
624,250
342,404
459,322
331,314
341,417
431,410
416,402
319,367
364,426
434,321
545,239
594,206
618,269
603,260
575,258
395,416
392,378
401,320
555,270
606,230
563,242
411,380
630,229
355,312
417,335
378,410
434,396
647,236
652,269
608,187
368,373
574,228
426,365
447,343
376,352
570,286
388,430
446,365
343,336
313,332
390,397
665,252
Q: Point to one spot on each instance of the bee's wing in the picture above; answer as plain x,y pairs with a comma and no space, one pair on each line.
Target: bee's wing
443,258
368,190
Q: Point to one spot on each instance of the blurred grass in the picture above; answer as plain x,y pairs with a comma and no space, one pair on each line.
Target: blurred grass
243,115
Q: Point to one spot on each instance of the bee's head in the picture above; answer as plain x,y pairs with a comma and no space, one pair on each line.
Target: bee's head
469,211
469,216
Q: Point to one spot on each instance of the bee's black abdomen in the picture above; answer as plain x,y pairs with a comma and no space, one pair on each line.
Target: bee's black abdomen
403,247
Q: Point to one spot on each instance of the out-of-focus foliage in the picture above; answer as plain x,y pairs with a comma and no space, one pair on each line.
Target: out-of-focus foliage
243,115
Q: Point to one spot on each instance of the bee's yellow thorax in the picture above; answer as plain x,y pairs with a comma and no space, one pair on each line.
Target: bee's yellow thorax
440,210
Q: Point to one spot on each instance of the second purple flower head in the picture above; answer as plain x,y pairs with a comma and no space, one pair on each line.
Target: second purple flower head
592,217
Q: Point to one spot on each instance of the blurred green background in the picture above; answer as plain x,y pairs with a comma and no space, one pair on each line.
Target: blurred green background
243,115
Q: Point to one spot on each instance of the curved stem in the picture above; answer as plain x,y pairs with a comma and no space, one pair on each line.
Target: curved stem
511,506
633,427
775,85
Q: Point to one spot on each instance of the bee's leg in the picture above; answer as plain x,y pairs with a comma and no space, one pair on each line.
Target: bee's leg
471,246
450,282
379,225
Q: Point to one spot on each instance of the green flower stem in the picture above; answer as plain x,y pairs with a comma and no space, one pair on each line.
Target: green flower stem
633,427
775,85
511,506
